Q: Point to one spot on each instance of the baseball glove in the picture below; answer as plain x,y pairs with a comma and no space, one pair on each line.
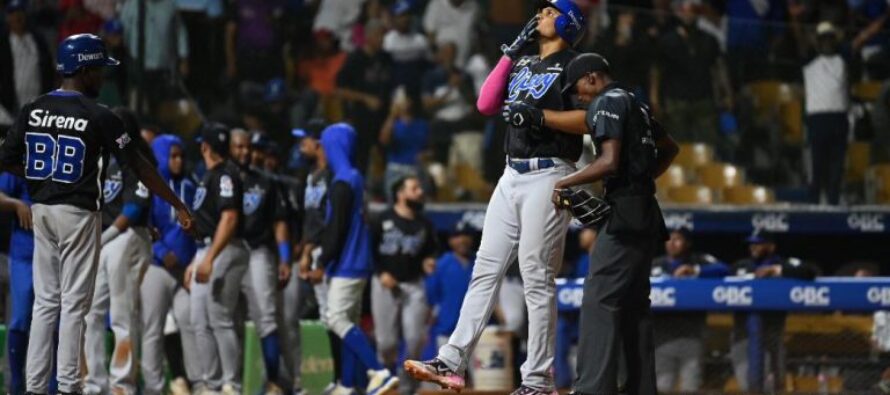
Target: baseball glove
589,210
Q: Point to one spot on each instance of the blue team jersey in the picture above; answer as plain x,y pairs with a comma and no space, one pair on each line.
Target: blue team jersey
21,243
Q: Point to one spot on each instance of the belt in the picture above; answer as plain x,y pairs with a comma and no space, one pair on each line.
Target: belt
523,166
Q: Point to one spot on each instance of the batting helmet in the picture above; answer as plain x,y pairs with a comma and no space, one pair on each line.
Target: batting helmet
570,24
82,50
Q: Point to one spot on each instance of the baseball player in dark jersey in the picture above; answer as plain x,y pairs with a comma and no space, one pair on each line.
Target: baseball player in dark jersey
520,222
220,264
315,202
291,302
265,228
633,149
126,253
61,143
405,247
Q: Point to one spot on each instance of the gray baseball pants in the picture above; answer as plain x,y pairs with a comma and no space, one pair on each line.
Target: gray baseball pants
520,219
66,255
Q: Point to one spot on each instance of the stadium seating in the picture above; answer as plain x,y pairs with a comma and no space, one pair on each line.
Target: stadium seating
675,176
720,175
776,101
693,155
877,184
747,194
691,194
866,91
858,160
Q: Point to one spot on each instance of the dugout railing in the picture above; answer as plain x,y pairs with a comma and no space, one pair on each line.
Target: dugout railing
827,341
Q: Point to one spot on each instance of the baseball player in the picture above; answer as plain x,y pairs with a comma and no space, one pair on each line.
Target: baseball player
520,222
315,202
346,254
219,265
161,286
404,243
21,276
446,287
126,253
291,303
60,143
265,227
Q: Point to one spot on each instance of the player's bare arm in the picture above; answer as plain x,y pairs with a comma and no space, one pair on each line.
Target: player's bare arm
21,209
228,223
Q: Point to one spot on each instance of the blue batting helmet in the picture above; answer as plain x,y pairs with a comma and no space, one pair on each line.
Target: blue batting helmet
82,50
570,24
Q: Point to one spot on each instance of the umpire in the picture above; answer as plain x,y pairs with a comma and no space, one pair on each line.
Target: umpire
632,150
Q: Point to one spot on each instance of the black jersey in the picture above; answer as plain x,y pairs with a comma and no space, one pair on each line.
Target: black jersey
264,204
63,140
315,203
401,244
539,82
123,187
220,189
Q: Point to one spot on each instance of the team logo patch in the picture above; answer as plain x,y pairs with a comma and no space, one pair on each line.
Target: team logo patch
252,200
123,140
111,189
534,85
200,194
226,187
141,191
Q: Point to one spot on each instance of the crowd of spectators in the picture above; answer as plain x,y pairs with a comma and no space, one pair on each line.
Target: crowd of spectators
406,72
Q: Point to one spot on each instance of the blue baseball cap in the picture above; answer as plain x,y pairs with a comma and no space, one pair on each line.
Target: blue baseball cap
312,129
113,26
761,236
275,91
16,6
401,7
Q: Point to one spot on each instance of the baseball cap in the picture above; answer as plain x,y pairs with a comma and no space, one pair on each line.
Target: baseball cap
312,129
113,26
463,228
825,28
582,65
761,236
259,141
216,135
683,231
401,7
15,6
276,91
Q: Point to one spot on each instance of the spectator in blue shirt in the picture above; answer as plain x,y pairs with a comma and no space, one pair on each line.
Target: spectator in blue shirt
404,136
448,284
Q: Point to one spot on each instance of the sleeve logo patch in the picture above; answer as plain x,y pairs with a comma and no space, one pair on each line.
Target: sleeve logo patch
141,191
226,187
123,140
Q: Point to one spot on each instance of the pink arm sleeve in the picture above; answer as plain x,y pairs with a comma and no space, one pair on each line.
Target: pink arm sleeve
491,96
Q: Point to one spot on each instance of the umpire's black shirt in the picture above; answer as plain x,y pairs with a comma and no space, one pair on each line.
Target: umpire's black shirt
617,115
220,189
539,82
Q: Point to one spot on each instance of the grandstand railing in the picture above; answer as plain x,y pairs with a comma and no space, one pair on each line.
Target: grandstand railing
781,218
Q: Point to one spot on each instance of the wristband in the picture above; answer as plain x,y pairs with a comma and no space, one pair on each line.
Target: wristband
284,252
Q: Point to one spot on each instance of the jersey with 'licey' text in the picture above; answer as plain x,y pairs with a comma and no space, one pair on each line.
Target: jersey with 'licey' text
539,82
264,205
220,189
123,187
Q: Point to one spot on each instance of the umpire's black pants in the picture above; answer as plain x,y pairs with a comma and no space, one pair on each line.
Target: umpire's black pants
616,323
